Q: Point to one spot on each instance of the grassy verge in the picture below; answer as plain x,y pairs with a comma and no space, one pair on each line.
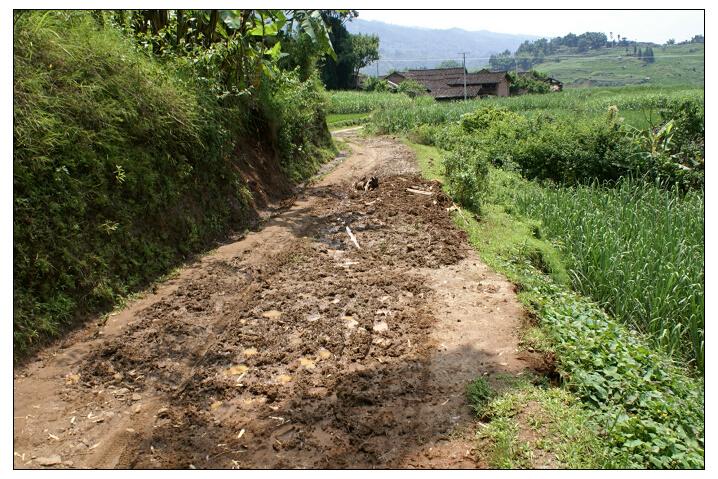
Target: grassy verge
535,427
647,411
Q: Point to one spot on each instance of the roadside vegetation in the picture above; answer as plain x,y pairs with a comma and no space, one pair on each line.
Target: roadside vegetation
592,202
131,130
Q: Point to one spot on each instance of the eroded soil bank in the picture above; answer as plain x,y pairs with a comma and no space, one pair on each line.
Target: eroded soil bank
293,347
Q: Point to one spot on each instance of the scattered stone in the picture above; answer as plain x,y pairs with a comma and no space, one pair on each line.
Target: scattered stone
136,397
284,378
250,352
350,322
381,326
53,460
273,314
307,363
237,370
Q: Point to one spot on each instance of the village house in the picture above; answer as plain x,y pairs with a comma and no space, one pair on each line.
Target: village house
448,83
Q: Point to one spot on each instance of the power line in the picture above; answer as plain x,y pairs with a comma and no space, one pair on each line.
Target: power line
546,59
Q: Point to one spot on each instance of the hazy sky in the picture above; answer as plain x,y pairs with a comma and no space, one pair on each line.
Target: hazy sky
653,25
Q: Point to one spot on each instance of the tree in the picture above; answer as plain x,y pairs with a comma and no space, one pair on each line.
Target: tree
648,55
671,41
449,64
353,52
365,50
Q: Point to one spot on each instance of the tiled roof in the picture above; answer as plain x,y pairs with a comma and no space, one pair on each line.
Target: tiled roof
479,78
449,82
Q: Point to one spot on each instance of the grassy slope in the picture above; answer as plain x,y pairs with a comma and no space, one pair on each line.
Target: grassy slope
647,411
674,65
124,166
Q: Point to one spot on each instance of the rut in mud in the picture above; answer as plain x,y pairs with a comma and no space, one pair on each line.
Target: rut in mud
294,347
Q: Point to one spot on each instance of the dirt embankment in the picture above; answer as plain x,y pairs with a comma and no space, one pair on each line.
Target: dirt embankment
294,347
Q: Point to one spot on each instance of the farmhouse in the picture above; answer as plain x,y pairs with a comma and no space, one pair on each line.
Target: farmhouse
448,83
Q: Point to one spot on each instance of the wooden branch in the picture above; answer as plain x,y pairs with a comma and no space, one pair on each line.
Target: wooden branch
419,192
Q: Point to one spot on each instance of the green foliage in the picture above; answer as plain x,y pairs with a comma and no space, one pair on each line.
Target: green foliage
651,411
467,169
479,393
532,83
411,88
366,102
486,117
354,52
376,84
449,64
365,50
629,253
125,158
296,110
564,137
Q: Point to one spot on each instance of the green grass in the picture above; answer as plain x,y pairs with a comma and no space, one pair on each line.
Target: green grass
646,409
534,427
674,65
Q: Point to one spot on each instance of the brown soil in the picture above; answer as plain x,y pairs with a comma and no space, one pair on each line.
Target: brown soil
290,348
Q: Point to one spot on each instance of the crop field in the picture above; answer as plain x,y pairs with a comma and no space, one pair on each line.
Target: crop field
638,105
675,65
344,102
637,250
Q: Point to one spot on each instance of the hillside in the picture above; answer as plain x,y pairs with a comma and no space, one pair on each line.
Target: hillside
674,65
414,47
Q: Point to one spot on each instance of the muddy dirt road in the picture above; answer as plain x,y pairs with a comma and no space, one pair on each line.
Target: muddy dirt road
292,347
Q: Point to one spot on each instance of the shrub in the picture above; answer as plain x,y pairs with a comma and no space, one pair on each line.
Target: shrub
467,170
375,84
531,83
296,110
486,117
411,88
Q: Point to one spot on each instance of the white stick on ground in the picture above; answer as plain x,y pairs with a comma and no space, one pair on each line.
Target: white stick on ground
419,192
353,238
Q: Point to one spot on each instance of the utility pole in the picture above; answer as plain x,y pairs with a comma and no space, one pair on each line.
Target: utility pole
377,69
464,63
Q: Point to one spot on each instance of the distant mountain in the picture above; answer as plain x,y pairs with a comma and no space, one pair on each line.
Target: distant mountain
413,47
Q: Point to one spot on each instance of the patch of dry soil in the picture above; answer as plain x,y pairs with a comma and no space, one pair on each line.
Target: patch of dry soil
290,348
